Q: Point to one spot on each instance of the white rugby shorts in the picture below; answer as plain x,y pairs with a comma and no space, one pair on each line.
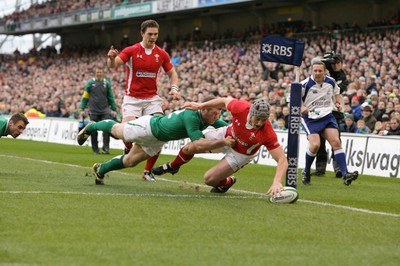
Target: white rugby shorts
139,132
235,160
132,106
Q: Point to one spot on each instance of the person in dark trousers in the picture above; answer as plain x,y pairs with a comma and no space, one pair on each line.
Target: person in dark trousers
334,64
98,97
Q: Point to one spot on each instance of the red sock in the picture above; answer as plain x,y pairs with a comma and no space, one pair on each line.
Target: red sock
151,162
181,159
225,182
128,145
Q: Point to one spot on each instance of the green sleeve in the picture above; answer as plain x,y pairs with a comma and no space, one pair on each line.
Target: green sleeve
86,95
192,125
111,98
3,126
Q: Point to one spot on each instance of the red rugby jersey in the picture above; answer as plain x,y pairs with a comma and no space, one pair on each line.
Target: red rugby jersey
142,69
249,141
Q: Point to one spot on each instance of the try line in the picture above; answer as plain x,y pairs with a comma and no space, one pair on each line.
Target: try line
254,194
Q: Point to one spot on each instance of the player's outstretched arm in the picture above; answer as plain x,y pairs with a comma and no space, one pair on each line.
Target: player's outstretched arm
207,145
216,103
279,156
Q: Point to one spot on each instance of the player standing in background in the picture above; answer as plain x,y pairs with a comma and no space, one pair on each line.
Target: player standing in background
99,97
142,62
13,126
251,129
320,94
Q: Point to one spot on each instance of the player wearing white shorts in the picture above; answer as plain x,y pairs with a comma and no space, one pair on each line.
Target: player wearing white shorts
320,94
142,62
149,133
251,129
236,160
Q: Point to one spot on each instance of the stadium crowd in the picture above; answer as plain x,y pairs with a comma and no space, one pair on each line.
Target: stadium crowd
55,7
51,82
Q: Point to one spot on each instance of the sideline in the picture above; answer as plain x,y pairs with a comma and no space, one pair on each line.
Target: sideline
254,194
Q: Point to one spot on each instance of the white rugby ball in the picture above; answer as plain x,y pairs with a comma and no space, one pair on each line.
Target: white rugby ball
287,195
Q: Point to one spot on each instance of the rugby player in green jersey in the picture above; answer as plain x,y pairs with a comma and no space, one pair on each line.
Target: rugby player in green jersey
13,126
150,133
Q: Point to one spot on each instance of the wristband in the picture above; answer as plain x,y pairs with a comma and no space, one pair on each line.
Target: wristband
174,88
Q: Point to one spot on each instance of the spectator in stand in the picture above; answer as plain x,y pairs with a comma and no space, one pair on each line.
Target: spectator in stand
396,107
362,128
389,108
380,110
368,118
175,59
394,127
53,110
349,125
356,107
285,113
280,124
371,85
378,130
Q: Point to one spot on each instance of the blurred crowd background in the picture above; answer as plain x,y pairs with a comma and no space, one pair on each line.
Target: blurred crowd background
51,82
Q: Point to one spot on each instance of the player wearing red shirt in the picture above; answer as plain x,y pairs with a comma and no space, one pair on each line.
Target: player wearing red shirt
143,61
251,129
249,139
142,69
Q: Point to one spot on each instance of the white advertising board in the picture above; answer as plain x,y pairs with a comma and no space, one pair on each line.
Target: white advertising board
370,155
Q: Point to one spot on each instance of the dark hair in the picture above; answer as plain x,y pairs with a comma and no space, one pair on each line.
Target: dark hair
148,24
19,117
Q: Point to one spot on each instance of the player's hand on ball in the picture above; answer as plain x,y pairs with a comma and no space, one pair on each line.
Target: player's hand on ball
275,189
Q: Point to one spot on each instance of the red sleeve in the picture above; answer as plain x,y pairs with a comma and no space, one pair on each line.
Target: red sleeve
126,53
167,65
238,107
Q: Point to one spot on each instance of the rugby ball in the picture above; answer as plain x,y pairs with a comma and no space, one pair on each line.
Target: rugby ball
287,195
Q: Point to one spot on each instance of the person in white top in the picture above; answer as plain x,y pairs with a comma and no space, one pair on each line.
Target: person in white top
320,96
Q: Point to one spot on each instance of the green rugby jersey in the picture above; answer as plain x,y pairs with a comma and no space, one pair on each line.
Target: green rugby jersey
179,125
3,126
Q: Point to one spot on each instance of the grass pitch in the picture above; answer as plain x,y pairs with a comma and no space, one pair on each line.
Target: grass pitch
52,213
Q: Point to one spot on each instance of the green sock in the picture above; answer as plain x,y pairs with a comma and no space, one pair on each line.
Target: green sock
104,125
113,164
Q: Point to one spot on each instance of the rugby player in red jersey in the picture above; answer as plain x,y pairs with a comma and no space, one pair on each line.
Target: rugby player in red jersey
142,63
251,129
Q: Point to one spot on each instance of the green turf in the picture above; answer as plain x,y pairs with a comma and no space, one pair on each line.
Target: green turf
53,214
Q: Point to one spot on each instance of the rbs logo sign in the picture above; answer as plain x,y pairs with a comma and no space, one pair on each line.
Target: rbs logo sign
281,50
276,49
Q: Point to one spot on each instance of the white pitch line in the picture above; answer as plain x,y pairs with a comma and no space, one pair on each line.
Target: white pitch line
129,195
260,195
